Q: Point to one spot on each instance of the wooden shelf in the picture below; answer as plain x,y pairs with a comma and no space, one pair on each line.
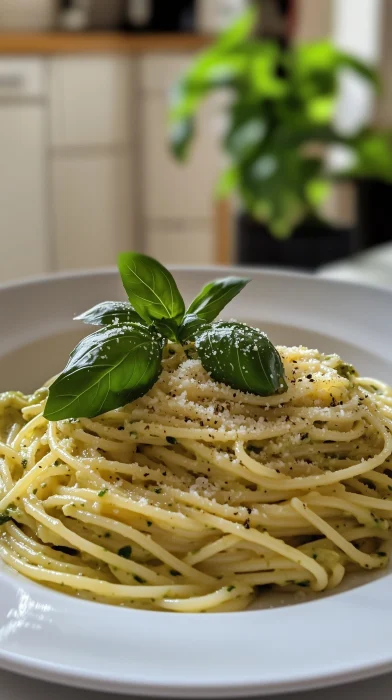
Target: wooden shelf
97,42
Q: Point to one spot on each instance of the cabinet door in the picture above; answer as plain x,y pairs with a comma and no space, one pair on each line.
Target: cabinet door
172,189
24,246
181,242
92,209
90,100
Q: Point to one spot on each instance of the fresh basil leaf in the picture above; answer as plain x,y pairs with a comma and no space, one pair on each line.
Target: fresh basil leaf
167,328
151,288
241,357
215,296
190,327
106,370
109,312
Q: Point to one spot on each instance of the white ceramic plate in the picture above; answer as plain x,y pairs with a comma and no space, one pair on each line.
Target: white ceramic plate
341,637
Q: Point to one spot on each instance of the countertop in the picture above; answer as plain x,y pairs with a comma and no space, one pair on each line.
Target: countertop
49,43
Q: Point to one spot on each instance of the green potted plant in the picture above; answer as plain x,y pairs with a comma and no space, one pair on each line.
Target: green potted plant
280,121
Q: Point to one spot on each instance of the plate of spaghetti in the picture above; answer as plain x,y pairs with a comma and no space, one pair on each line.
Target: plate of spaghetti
195,480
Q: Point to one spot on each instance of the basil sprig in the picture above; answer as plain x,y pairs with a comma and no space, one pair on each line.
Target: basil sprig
191,326
108,369
152,291
122,360
109,312
215,296
242,357
208,304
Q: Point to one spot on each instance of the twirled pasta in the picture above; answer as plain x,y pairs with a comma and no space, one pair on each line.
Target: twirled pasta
196,495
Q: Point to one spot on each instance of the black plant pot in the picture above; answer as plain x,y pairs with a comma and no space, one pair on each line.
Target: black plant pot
312,244
374,201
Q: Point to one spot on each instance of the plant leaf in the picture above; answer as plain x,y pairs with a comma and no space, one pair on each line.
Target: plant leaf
238,32
167,328
151,288
106,370
215,296
362,68
227,182
180,137
109,312
372,155
241,357
190,327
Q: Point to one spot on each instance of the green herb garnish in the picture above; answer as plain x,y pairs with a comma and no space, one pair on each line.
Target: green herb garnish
108,369
242,357
5,516
346,370
71,551
139,579
209,303
171,440
122,360
102,493
152,291
108,313
125,552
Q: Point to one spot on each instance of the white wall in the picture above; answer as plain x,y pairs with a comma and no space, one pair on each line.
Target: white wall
356,28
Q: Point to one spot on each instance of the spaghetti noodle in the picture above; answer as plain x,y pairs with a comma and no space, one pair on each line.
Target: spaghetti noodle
196,496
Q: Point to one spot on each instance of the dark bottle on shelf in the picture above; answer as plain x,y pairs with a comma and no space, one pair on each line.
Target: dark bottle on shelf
160,16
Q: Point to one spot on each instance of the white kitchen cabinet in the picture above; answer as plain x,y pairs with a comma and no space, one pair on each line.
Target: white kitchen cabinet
90,101
91,159
92,208
181,242
175,194
158,72
173,189
85,165
24,241
22,79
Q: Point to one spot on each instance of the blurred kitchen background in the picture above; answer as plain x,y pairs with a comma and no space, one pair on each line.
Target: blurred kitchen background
86,168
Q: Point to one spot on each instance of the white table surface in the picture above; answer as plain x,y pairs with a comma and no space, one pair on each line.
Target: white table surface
18,688
374,267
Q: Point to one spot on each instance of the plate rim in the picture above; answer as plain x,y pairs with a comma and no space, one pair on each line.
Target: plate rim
65,676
